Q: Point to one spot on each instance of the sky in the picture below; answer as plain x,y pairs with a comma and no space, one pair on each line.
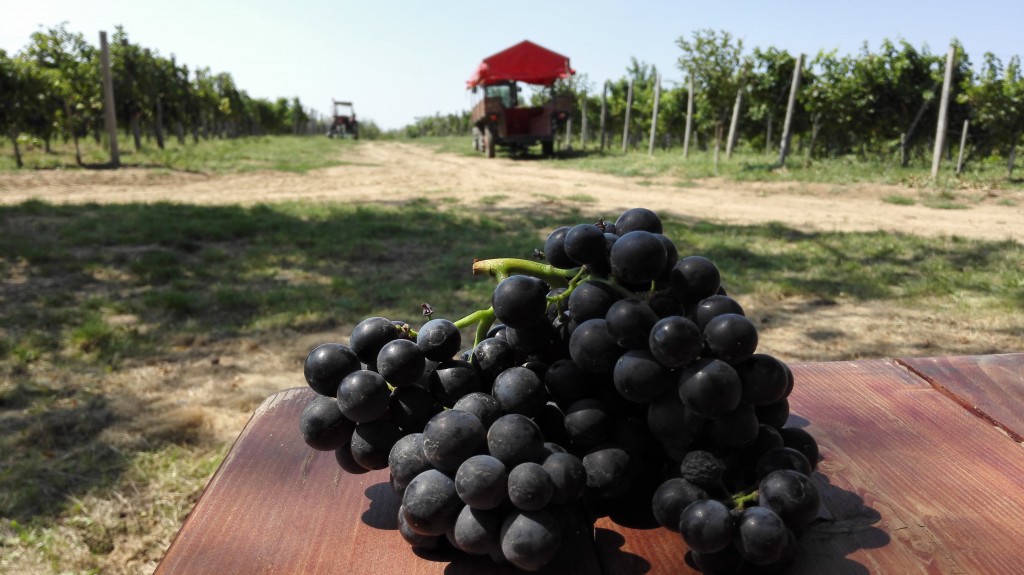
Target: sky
398,60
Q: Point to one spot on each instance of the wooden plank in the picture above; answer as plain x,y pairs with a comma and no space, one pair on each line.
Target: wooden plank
912,483
277,506
990,386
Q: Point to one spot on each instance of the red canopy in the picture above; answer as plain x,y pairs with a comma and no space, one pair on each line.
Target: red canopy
525,62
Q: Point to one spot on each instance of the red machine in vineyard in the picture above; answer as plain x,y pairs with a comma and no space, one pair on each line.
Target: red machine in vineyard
499,118
344,123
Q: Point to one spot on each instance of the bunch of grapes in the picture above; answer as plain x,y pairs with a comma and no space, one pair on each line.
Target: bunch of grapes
609,377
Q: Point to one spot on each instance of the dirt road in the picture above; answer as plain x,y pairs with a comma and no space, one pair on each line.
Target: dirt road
390,171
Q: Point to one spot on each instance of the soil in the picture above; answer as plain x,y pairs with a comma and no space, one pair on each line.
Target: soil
793,329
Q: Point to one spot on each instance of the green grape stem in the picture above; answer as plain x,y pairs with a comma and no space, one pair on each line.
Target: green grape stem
743,500
501,268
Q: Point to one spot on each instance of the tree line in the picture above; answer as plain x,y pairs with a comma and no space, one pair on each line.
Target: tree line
876,103
52,90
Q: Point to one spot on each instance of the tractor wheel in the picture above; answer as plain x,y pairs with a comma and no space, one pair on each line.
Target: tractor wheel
489,142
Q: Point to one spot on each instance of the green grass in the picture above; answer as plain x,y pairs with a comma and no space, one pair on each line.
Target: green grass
898,200
93,289
280,153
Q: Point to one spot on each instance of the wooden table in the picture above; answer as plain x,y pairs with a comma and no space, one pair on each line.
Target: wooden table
923,472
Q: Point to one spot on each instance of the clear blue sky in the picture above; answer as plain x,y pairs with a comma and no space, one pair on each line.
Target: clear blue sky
401,59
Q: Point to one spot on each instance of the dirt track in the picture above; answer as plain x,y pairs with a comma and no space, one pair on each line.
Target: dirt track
388,171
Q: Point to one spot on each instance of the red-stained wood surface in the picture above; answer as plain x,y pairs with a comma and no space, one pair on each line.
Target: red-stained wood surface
991,386
912,483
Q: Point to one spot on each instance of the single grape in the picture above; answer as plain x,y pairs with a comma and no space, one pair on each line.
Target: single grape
515,438
714,306
590,300
629,322
430,504
519,390
406,460
530,488
639,377
775,414
372,442
637,257
411,407
482,482
327,365
520,301
401,362
439,339
675,341
790,494
530,539
554,249
782,458
593,349
370,335
566,382
671,497
802,441
567,475
734,429
478,531
417,541
764,379
451,437
671,257
585,245
761,535
483,405
672,423
587,422
710,387
490,357
363,396
704,469
608,472
530,340
731,337
452,379
695,278
323,426
638,219
706,525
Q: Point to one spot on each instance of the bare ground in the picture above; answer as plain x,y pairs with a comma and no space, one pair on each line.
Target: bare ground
218,383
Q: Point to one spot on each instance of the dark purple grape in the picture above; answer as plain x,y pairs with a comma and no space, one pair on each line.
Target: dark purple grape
593,349
482,482
608,472
551,420
372,442
483,405
706,526
451,437
515,438
791,495
761,535
734,429
430,504
695,278
530,539
519,390
675,341
802,441
401,362
566,382
348,464
554,249
490,357
764,379
587,422
638,219
590,300
671,497
411,407
672,423
629,322
529,486
671,257
439,339
370,335
452,379
710,387
327,365
323,426
731,337
782,458
567,475
478,532
713,306
774,414
406,460
520,301
363,396
530,340
585,245
637,257
640,378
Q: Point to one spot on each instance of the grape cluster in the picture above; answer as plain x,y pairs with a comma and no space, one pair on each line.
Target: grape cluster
615,379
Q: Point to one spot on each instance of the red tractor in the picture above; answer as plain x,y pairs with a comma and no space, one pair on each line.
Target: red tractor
500,118
344,123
